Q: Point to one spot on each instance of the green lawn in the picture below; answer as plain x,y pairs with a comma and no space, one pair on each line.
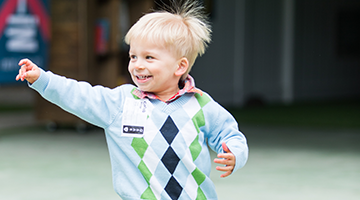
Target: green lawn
325,114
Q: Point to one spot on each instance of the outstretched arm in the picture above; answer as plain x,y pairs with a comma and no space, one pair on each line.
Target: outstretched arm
28,71
97,105
227,159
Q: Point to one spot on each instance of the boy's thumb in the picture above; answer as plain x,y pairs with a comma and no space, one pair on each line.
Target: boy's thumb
226,149
31,76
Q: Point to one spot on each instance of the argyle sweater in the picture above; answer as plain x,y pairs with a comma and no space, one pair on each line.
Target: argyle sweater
157,150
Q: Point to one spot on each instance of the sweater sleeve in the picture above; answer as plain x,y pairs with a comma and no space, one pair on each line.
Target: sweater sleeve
97,105
223,127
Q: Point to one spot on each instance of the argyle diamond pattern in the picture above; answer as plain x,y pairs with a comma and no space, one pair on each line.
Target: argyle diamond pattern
170,159
169,130
173,188
168,152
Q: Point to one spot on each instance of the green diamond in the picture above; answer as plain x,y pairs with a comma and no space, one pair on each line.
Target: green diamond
140,146
203,100
195,148
200,195
199,120
198,176
148,194
145,171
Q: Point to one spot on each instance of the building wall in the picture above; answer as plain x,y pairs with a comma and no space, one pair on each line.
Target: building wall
213,71
319,70
259,66
263,50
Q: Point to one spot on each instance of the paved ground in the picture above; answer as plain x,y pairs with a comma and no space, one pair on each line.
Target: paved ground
284,163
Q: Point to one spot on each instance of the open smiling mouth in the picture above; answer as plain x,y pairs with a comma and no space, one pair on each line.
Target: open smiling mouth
143,77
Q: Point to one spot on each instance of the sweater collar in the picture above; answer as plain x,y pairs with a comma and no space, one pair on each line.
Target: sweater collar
187,86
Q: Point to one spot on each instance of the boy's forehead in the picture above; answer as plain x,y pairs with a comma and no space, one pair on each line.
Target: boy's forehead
147,45
146,42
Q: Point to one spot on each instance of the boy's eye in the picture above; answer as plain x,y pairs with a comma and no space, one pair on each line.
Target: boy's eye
149,57
132,56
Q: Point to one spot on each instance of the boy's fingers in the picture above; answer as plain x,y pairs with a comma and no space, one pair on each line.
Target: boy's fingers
223,161
225,155
28,71
23,68
26,65
227,159
226,174
23,77
21,72
24,61
225,168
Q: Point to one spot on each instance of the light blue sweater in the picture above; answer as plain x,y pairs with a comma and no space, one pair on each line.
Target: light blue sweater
157,150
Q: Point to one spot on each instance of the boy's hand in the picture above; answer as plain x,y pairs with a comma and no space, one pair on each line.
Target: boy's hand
28,71
227,159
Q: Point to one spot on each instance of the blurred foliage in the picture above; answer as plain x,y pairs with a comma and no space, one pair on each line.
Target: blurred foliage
344,114
14,108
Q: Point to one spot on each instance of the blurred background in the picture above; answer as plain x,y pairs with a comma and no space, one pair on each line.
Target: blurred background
288,70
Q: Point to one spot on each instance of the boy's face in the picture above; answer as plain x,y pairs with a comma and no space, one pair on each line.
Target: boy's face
155,69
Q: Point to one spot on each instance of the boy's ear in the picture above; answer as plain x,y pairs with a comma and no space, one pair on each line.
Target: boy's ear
183,65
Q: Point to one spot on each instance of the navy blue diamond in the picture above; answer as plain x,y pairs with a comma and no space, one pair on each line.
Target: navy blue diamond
169,130
170,160
173,188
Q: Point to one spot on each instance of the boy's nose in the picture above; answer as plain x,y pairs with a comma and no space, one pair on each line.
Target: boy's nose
139,66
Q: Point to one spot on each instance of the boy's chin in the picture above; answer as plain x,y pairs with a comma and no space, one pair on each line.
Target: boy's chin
144,89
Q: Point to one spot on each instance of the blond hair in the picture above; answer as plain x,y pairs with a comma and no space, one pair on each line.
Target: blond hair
184,29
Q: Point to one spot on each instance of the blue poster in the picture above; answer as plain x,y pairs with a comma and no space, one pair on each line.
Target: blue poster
24,33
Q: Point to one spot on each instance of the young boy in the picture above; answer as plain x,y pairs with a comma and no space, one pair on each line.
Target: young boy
157,133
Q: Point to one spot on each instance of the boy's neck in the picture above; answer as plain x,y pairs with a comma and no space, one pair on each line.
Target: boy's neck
185,86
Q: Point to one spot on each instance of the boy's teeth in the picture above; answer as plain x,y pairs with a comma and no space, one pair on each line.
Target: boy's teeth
142,77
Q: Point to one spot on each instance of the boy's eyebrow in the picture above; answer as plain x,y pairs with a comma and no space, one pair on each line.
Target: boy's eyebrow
143,51
146,52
